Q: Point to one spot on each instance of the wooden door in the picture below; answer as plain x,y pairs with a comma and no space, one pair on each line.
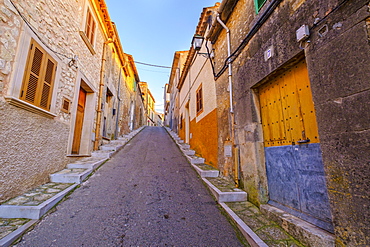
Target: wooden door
79,121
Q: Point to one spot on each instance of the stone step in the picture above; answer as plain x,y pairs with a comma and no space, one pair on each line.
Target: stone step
123,138
188,151
184,146
180,141
195,159
91,163
224,190
102,154
74,175
35,203
119,142
111,147
206,171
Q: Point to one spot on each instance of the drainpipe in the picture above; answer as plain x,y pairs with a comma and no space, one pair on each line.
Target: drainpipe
100,98
236,165
119,104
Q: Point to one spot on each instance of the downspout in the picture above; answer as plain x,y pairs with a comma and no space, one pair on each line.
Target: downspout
119,104
236,165
229,61
100,97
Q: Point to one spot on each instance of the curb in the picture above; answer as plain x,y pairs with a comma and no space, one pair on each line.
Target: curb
11,237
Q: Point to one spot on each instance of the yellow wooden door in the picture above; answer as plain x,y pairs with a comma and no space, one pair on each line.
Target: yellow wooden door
287,109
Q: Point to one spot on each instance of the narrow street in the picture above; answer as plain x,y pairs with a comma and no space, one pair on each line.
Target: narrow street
146,195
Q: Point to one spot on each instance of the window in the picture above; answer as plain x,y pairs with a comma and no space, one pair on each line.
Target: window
258,4
199,100
90,27
88,35
39,76
66,104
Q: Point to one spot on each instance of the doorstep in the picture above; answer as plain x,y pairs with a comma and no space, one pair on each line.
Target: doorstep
306,232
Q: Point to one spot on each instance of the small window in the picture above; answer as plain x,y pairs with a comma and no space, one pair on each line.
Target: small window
90,27
199,100
258,4
38,80
66,104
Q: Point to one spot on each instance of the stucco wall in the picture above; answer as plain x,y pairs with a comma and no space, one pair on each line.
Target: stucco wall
204,137
202,125
31,147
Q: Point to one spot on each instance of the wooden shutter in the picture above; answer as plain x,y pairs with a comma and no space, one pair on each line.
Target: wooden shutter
39,77
199,99
90,27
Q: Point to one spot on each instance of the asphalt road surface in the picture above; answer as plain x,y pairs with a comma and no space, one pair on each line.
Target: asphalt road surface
146,195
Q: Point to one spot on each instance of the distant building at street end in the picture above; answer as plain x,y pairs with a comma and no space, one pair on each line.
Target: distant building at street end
149,103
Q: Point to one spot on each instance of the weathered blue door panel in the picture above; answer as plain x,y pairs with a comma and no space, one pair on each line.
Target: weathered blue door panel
297,184
282,176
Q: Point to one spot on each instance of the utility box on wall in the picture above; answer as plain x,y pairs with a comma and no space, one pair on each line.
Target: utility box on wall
228,149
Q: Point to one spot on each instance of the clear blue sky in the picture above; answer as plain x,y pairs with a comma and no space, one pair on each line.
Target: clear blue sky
152,31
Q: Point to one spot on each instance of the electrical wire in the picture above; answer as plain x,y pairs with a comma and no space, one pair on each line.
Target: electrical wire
162,72
154,65
37,35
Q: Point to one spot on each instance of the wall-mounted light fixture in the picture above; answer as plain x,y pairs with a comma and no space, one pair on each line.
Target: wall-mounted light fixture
197,42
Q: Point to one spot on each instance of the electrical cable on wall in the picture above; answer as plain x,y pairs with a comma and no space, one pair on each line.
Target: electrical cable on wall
74,58
254,30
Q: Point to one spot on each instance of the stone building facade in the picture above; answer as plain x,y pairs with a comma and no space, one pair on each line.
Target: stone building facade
299,114
62,75
149,103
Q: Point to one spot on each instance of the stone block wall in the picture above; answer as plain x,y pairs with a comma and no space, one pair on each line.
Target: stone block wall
337,59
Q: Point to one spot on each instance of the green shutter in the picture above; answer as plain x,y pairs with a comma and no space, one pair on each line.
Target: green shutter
258,4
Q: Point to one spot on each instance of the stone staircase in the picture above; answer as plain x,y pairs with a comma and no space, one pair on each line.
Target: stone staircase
20,213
